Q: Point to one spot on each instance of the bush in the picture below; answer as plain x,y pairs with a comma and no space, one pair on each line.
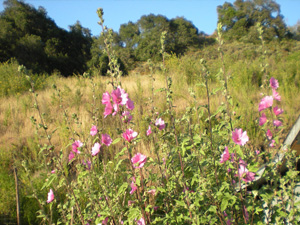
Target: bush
13,82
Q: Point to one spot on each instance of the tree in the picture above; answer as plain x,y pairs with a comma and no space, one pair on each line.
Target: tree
183,35
150,28
239,19
30,36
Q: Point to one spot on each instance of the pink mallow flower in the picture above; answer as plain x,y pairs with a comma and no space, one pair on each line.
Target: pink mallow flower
138,160
108,106
272,143
130,203
239,137
106,139
160,123
129,135
277,123
262,119
277,111
274,83
77,144
94,130
71,156
245,212
269,134
266,102
149,131
225,156
244,173
126,117
87,164
133,187
141,221
130,104
50,196
119,96
152,192
96,149
276,96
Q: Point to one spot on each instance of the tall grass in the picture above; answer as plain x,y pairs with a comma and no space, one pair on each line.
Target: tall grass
72,96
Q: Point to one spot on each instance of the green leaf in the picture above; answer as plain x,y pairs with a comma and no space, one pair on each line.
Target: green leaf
224,204
49,182
116,141
212,208
118,164
122,189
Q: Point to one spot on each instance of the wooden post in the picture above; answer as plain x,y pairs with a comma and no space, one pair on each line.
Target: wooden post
17,196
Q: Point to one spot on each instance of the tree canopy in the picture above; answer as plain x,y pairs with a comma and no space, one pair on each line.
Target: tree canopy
30,36
239,19
140,41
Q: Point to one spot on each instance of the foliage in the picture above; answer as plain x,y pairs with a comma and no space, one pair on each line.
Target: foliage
199,169
138,42
239,20
34,40
13,82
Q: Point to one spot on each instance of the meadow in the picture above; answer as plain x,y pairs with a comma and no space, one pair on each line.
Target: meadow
201,96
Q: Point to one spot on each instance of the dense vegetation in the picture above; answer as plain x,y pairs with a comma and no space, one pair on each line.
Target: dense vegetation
178,89
34,40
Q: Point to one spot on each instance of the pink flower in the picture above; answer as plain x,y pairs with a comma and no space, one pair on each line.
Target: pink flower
130,203
245,212
130,104
276,95
152,192
93,131
277,123
262,119
149,131
77,144
239,137
274,83
104,222
106,98
160,123
126,117
139,160
133,187
225,156
266,102
96,149
106,139
129,135
50,196
244,173
257,152
71,156
141,221
272,143
277,111
88,163
52,171
108,109
119,96
269,134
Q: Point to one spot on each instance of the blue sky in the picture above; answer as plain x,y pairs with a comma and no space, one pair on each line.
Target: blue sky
202,13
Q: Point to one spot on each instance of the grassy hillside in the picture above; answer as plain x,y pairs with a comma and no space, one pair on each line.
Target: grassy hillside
75,103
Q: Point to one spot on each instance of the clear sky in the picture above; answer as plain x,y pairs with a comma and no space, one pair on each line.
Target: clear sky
202,13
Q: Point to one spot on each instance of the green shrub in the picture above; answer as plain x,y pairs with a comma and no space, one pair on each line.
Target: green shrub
13,82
